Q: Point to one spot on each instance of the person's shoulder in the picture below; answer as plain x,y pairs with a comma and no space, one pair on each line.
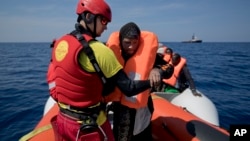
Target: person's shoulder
148,32
66,37
101,49
149,36
96,43
99,45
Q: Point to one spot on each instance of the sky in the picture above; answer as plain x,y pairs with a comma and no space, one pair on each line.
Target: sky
171,20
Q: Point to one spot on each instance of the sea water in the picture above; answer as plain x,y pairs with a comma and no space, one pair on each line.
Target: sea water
220,70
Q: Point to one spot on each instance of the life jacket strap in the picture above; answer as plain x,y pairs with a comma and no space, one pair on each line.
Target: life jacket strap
88,50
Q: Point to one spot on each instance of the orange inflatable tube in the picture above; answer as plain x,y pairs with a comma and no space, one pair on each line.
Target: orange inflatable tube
173,123
169,122
43,131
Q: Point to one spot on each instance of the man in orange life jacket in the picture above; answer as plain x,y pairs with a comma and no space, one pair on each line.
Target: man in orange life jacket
183,78
136,51
81,71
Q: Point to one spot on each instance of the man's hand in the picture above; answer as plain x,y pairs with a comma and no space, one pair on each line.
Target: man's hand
195,93
155,77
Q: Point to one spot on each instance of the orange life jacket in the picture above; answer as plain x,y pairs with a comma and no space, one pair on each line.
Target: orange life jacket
137,67
162,51
68,82
177,69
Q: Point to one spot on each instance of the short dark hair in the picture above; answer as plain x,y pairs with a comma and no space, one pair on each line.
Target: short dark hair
129,30
176,58
169,51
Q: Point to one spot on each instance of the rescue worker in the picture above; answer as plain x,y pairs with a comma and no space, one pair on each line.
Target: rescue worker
136,51
81,71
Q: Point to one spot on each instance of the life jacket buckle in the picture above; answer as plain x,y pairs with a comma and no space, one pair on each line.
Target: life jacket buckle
89,124
90,127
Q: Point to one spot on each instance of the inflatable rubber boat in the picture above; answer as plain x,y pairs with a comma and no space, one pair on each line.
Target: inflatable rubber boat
177,117
176,121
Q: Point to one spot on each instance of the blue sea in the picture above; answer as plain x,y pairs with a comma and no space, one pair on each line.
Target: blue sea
220,70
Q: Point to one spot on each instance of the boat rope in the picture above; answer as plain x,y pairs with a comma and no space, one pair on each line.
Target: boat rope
35,132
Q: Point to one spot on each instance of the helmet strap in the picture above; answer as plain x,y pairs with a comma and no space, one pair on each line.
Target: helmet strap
90,19
94,33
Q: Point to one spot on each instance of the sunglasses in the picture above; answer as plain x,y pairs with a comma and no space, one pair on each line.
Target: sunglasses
104,21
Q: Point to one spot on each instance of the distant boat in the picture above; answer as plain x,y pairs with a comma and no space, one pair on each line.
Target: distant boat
193,40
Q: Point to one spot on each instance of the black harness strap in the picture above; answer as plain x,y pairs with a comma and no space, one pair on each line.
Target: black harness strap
89,52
